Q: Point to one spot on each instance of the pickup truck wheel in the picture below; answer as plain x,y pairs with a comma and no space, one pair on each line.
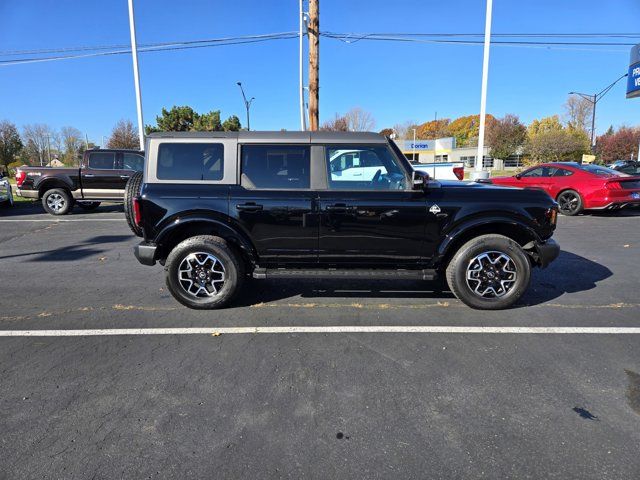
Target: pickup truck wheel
88,205
203,272
57,201
131,191
490,272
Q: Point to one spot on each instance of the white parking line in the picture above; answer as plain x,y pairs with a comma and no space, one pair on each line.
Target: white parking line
336,329
56,220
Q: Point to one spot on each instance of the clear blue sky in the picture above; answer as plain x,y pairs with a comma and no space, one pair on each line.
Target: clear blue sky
395,81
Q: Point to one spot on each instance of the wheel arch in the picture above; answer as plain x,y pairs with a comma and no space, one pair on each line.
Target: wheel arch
174,233
49,183
513,229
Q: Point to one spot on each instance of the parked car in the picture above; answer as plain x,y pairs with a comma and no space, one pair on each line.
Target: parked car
215,207
441,170
630,167
578,187
6,195
102,176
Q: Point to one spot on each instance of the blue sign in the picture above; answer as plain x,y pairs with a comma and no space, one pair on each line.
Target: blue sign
633,80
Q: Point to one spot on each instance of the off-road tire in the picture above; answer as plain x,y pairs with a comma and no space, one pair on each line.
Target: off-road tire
131,191
88,206
578,208
218,247
57,193
457,271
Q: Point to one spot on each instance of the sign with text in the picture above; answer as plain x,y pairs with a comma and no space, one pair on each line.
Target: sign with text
426,145
633,80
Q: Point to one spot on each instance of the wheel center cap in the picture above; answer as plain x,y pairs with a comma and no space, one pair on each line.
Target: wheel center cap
490,274
202,275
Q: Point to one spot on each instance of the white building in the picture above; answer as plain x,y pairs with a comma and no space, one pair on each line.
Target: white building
445,150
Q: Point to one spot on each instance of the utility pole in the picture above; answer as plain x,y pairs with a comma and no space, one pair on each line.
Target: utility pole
479,171
314,60
303,116
136,76
49,148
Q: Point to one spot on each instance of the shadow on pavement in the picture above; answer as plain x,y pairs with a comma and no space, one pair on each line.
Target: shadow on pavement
570,273
21,209
74,252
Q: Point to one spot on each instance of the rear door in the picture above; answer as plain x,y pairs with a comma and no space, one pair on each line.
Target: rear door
129,163
274,203
101,177
374,218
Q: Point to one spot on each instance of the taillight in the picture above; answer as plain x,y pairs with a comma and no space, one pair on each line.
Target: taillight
20,176
458,172
137,213
552,215
613,186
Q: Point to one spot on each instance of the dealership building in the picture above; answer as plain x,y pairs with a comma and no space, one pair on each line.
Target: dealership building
445,150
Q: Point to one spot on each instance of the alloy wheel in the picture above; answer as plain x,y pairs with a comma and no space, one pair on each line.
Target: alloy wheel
491,274
201,274
56,202
568,202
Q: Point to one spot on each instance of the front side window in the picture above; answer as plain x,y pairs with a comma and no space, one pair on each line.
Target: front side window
102,160
132,161
276,167
535,172
190,161
360,167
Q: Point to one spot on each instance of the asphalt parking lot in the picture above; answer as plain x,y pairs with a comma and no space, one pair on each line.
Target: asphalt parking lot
473,394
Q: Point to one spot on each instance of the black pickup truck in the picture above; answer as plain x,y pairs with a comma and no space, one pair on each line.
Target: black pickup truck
102,176
217,207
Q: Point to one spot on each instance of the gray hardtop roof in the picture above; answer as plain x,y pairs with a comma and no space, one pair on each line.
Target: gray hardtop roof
280,137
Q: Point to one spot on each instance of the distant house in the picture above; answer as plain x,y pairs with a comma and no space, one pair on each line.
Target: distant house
55,163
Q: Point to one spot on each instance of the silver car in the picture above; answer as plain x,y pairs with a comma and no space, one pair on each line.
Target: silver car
6,195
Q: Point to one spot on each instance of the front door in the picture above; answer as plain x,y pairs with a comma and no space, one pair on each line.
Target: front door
369,215
101,177
274,204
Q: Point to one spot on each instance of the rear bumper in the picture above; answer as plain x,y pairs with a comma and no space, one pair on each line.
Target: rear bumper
145,252
619,205
546,252
26,193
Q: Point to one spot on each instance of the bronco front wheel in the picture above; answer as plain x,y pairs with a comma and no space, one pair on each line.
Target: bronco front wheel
203,272
490,272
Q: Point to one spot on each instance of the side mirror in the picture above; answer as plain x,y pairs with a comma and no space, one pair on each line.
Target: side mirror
419,180
518,176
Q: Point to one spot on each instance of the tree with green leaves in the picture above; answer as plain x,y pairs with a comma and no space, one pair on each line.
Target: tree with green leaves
506,136
550,141
10,143
466,129
186,119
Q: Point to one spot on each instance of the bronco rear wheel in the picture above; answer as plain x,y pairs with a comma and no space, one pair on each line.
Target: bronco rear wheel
203,272
131,191
490,272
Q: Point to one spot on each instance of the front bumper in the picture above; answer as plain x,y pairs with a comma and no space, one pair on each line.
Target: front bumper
26,193
145,252
546,252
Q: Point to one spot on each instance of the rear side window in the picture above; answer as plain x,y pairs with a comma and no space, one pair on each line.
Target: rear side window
276,166
102,160
132,161
190,161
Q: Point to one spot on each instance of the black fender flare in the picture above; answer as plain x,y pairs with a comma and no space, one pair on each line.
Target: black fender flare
500,222
48,182
222,226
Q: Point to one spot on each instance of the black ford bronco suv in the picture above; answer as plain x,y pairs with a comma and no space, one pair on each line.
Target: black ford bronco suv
217,207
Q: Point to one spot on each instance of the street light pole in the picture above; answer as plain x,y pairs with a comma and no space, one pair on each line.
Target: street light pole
136,76
594,99
479,166
247,104
414,145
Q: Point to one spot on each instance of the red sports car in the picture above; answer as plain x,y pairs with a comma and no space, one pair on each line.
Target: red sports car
578,187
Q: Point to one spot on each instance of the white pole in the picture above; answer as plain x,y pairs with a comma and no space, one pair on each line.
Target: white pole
478,170
303,120
414,145
136,76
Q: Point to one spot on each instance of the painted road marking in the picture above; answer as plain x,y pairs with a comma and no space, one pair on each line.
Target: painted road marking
58,220
337,329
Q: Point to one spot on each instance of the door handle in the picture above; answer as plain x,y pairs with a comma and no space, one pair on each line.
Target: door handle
249,207
89,175
124,177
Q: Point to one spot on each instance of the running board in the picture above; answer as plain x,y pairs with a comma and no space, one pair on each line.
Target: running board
347,274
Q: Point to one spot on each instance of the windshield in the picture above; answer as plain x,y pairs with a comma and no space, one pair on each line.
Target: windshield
602,171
